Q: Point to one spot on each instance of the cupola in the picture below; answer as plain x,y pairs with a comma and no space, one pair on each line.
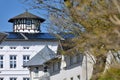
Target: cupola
26,23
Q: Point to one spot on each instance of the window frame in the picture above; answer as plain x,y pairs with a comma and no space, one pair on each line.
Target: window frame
1,61
13,61
54,66
73,60
28,23
13,78
1,78
26,78
79,57
26,58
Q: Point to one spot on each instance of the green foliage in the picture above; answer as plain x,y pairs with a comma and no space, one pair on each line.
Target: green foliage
112,74
68,3
101,34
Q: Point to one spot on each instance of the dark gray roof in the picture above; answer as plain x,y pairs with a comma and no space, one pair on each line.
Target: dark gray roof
30,36
26,15
36,36
41,57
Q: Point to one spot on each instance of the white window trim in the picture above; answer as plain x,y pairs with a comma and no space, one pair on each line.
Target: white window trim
26,58
13,78
14,61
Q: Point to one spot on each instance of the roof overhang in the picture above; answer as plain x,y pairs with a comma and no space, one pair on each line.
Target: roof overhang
2,36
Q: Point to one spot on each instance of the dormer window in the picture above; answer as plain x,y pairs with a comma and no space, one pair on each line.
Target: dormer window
12,47
1,47
26,47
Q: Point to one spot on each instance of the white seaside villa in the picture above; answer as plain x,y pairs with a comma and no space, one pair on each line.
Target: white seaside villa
27,54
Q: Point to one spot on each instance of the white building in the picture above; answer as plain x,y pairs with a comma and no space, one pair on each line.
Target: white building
27,46
47,65
23,43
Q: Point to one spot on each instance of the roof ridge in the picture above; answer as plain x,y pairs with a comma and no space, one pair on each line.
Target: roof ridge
47,47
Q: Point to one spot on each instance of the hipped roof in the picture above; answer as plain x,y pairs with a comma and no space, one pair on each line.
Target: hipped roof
41,57
26,15
36,36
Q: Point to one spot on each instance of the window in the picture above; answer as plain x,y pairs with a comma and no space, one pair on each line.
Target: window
79,58
12,61
36,70
26,78
12,47
18,22
78,77
28,22
1,47
56,66
45,69
71,78
26,58
13,78
1,78
72,60
1,61
25,47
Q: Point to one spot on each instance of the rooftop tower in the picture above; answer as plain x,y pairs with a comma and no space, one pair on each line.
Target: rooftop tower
26,23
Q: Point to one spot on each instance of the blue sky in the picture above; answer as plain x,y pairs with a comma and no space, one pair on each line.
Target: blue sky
9,9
